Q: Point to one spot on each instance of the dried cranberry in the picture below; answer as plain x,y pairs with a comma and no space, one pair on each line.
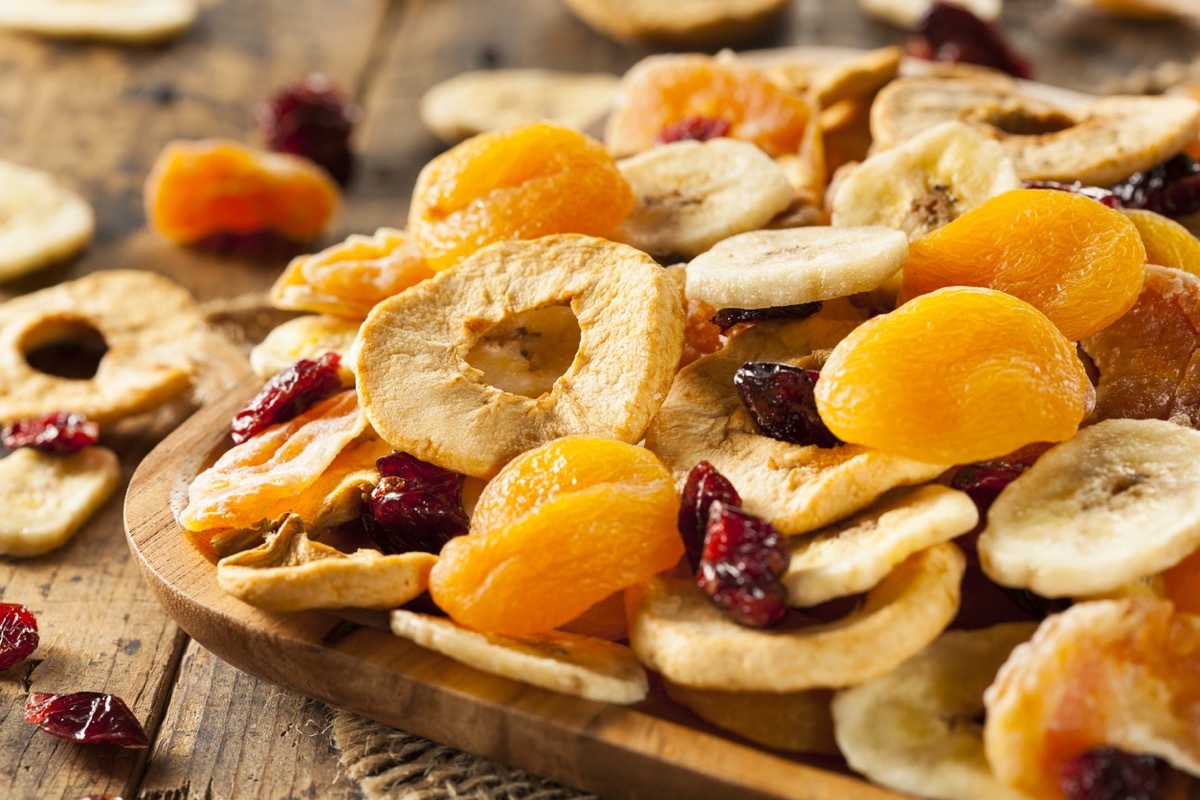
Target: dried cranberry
950,32
697,129
1033,604
289,393
314,119
726,318
1171,188
1102,196
87,717
744,558
416,506
1106,773
985,480
60,432
703,486
780,398
18,634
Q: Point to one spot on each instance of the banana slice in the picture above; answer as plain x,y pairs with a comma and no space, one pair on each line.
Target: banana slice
915,729
762,269
474,102
1112,505
691,195
923,183
796,722
41,221
798,488
126,21
1116,673
852,556
290,572
47,498
677,631
583,666
683,24
907,13
309,336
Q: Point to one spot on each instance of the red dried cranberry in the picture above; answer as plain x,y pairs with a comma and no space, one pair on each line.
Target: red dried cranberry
703,486
781,400
416,506
696,129
314,119
726,318
291,392
950,32
985,480
1106,773
1033,604
60,432
1102,196
1171,188
18,634
87,717
744,557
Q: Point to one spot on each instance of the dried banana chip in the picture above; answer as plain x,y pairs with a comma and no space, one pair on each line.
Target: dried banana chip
41,221
47,498
125,21
290,572
309,336
796,722
583,666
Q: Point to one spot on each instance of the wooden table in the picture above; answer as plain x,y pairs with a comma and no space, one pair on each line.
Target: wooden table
97,115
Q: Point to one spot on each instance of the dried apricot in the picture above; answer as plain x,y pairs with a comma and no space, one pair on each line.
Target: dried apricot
197,189
559,529
517,183
961,374
1078,262
664,91
1168,243
1147,359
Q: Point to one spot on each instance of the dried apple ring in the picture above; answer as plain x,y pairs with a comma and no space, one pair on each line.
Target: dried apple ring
422,396
137,318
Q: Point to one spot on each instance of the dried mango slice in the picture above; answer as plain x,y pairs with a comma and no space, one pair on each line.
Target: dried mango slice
47,498
336,496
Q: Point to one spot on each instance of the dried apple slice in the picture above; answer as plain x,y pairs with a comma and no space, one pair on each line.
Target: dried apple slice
47,498
797,722
41,221
126,21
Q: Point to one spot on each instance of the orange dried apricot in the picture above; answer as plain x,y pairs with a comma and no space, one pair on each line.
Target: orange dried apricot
1077,261
1168,244
1183,584
958,375
668,91
196,189
1147,359
559,529
517,183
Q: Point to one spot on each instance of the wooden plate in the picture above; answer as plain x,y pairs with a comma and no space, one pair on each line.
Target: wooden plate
652,750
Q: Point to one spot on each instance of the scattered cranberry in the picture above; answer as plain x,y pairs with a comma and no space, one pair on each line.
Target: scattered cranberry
985,480
60,432
726,318
18,634
781,400
703,486
311,118
289,393
949,32
697,129
416,506
744,558
1171,188
1103,196
87,717
1106,773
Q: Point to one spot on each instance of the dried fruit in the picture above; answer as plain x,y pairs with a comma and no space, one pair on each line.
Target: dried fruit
780,398
311,118
1171,188
698,129
214,186
1107,773
1077,262
60,433
1168,244
516,183
86,717
18,634
291,392
702,487
1182,584
949,32
955,376
984,480
560,528
744,558
415,506
726,318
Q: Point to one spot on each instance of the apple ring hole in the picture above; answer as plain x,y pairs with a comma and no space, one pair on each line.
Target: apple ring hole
64,347
1020,121
527,352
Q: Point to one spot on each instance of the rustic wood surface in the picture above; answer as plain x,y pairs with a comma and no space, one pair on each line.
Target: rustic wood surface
97,115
